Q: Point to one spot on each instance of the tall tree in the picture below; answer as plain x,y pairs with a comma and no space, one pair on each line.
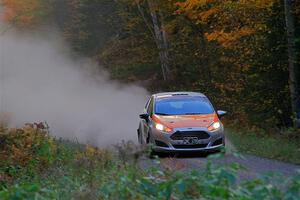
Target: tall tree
159,34
292,55
88,24
247,39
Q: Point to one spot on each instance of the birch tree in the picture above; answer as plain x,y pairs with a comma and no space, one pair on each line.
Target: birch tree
157,29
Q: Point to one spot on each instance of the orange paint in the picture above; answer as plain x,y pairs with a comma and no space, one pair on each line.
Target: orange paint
176,121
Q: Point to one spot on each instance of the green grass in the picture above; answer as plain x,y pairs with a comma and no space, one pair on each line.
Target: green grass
280,147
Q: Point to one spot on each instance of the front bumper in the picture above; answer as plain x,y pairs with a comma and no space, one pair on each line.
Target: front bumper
164,142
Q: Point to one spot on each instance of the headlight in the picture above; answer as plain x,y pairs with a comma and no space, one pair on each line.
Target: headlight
214,126
161,127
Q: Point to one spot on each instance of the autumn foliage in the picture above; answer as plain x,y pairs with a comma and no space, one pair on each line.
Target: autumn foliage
22,13
233,51
24,151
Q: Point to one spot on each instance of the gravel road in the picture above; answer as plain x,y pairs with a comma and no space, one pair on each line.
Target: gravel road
254,165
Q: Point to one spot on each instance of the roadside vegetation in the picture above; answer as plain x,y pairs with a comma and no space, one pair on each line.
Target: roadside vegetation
283,146
36,166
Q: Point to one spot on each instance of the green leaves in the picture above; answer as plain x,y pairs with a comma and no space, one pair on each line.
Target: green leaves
26,192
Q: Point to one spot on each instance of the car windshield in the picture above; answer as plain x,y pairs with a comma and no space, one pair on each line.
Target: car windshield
183,106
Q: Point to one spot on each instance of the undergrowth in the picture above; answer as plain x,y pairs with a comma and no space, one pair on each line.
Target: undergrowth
36,166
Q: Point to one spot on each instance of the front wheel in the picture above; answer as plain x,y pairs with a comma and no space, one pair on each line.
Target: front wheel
155,154
148,138
139,136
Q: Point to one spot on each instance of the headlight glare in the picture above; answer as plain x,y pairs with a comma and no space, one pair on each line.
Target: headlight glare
214,126
161,127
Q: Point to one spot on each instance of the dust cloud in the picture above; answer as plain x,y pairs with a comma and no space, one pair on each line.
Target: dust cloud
41,79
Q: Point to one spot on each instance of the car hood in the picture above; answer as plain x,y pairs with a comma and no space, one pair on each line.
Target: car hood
177,121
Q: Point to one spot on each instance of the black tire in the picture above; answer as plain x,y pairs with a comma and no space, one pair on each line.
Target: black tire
154,154
221,150
139,136
148,138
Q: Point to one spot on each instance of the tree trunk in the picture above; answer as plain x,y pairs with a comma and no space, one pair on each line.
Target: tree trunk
160,38
292,55
165,45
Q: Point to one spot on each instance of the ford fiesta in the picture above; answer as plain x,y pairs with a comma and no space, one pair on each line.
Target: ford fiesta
180,122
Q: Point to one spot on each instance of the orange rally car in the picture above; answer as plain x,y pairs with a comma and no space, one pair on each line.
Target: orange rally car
181,121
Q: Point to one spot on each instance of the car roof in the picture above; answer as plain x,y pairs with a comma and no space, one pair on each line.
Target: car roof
174,94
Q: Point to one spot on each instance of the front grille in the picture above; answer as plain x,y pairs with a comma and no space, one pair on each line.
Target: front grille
200,135
185,146
160,143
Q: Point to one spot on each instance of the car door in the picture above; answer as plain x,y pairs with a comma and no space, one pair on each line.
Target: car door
147,123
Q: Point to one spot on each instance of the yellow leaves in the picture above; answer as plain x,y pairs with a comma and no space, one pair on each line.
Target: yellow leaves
190,7
89,150
94,152
227,21
203,16
93,156
226,39
20,145
192,4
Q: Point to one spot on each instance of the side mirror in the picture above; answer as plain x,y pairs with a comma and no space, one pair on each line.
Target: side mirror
145,116
221,113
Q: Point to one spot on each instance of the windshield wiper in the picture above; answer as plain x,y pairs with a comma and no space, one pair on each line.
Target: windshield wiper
162,114
192,113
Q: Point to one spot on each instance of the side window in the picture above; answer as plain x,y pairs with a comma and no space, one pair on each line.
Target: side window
147,104
150,107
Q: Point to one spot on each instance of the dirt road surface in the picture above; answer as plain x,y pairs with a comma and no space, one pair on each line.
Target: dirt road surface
253,165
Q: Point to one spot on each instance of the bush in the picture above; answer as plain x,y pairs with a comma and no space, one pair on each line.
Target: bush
24,152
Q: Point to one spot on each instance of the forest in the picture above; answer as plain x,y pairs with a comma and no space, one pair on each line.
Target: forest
244,55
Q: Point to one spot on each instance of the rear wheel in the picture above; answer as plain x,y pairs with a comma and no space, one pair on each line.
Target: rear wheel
152,153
